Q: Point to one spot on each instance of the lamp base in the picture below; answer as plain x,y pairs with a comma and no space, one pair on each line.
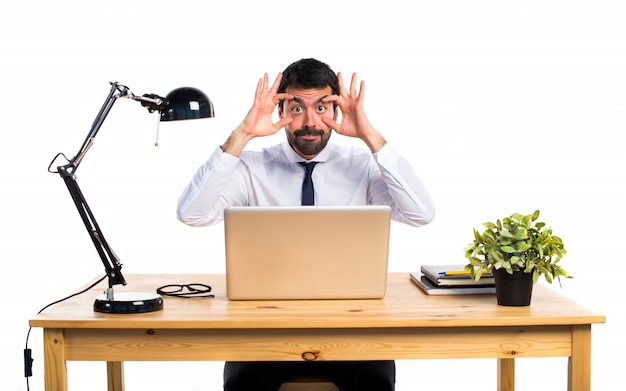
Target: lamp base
129,303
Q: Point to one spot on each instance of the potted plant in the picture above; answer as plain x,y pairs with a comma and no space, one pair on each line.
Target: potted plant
517,249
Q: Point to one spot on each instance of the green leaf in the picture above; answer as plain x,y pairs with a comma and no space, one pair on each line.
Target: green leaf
536,215
489,225
535,276
548,277
505,233
520,233
508,249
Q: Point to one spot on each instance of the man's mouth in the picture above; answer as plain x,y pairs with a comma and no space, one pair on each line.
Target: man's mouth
308,134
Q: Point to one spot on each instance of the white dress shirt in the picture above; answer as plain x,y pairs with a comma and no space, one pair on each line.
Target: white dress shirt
273,177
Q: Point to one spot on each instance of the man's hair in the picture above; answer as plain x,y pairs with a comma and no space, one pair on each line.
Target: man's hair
309,73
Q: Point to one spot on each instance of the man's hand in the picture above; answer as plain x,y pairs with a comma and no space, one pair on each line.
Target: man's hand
258,121
354,122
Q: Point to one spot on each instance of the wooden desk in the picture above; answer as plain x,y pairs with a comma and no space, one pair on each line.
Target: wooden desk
406,324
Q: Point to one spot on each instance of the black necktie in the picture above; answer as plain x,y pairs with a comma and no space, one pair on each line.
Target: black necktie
307,184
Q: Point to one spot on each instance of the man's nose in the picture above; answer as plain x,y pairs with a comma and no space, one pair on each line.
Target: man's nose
309,119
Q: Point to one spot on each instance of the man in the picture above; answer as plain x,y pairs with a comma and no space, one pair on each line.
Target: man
309,97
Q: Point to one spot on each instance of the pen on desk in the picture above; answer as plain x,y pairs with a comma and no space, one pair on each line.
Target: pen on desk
456,273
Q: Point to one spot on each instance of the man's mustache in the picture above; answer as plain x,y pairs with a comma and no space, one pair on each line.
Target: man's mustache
308,132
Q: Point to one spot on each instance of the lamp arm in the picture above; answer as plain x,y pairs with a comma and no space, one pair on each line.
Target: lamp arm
98,121
111,262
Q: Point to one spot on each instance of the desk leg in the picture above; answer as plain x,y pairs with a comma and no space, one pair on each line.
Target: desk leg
115,375
506,374
579,369
55,368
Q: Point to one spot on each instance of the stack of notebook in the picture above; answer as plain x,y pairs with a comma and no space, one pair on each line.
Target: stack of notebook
451,280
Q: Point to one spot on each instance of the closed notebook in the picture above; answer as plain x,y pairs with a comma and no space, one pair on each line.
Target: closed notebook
430,288
317,252
453,275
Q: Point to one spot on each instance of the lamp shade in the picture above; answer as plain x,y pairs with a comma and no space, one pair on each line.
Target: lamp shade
187,103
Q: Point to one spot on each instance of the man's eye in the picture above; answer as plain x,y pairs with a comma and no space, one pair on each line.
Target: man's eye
321,109
296,109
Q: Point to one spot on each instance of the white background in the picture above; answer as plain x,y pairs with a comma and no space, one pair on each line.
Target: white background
502,106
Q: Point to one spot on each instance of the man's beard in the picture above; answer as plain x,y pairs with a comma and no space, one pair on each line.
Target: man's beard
308,148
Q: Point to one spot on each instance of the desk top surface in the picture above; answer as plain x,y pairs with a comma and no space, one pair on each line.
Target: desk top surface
405,305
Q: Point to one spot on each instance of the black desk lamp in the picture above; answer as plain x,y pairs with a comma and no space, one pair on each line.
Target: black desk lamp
180,104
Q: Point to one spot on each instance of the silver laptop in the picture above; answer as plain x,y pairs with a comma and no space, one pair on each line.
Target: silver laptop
317,252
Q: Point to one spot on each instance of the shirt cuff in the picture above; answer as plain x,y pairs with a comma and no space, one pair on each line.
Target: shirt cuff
387,154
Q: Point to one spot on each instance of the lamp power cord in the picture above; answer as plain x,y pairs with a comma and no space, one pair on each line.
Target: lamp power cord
28,356
193,290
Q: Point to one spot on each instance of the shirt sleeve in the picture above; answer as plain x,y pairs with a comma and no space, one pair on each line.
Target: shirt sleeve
202,202
400,187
